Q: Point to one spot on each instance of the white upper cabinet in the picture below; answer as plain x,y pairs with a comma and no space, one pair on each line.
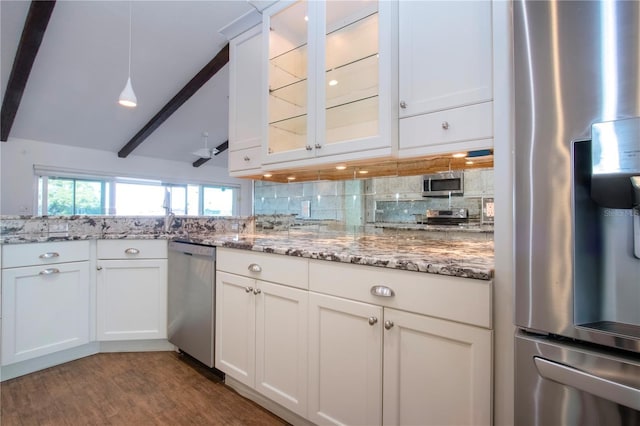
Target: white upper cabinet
445,66
245,107
328,82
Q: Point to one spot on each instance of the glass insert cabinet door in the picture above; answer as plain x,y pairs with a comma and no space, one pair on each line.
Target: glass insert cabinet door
289,80
324,74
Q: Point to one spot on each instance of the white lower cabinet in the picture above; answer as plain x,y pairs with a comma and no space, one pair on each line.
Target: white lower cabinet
132,290
383,346
46,306
435,372
371,361
261,327
345,361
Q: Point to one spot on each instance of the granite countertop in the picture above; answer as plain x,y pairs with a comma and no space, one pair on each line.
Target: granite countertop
428,252
472,258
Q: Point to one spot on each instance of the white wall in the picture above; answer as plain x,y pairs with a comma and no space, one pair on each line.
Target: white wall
18,183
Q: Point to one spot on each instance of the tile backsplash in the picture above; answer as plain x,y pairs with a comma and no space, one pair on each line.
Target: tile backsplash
358,202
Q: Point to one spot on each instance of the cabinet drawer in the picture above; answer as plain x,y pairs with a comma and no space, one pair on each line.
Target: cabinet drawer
132,249
464,300
245,159
473,122
16,255
287,270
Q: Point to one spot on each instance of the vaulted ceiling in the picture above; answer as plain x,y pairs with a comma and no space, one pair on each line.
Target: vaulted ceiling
81,68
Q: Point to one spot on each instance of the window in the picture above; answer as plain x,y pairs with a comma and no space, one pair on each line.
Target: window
67,196
132,197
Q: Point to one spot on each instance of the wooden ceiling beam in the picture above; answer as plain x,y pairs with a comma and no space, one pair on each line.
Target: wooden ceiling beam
176,102
221,148
32,34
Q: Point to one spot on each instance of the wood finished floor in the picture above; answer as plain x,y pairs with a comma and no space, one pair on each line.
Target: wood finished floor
152,388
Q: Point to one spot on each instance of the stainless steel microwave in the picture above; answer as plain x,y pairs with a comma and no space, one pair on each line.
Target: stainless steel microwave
443,184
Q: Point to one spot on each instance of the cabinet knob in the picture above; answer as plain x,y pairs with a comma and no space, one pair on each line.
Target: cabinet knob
388,324
257,291
373,320
248,289
318,146
254,267
132,251
445,125
49,271
49,255
308,148
382,291
246,158
403,104
99,268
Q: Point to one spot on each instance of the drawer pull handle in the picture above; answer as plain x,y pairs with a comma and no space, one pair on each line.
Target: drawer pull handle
318,146
382,291
49,271
445,125
132,251
308,148
388,324
248,289
254,267
373,320
257,291
246,158
403,104
49,255
99,268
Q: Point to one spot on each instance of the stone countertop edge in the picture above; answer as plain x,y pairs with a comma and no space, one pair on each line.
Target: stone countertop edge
455,266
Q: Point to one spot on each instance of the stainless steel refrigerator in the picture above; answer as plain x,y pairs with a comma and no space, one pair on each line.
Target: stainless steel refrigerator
577,192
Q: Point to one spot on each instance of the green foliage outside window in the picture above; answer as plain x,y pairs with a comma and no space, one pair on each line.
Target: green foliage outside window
74,196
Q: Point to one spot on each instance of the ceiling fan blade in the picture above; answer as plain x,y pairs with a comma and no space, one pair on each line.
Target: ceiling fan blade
203,153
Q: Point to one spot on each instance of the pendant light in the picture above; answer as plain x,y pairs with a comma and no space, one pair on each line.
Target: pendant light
128,97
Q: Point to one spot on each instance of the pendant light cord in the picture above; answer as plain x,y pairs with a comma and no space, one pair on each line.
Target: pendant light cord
130,13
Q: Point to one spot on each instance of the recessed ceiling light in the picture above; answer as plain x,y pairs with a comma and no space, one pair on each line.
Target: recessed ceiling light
306,18
267,175
341,167
468,162
459,155
363,172
333,82
291,178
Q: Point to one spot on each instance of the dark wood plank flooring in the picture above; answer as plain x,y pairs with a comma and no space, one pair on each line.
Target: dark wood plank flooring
152,388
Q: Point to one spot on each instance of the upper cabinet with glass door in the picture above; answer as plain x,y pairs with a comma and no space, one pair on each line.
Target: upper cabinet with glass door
331,82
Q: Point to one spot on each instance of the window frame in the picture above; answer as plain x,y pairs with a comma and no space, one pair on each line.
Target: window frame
108,191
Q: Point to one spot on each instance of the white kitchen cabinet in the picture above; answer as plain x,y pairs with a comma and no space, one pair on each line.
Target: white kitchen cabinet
431,331
131,289
445,76
45,299
329,82
345,361
245,103
436,372
261,327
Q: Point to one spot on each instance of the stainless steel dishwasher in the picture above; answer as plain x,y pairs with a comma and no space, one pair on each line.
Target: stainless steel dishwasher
191,299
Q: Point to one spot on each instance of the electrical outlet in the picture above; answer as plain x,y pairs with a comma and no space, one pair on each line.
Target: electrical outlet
58,228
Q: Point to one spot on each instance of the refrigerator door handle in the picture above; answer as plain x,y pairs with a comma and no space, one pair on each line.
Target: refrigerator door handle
604,388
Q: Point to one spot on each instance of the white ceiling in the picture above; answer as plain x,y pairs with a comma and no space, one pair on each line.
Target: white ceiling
81,68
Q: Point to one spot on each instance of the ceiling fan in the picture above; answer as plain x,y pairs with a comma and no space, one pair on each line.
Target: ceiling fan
206,152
